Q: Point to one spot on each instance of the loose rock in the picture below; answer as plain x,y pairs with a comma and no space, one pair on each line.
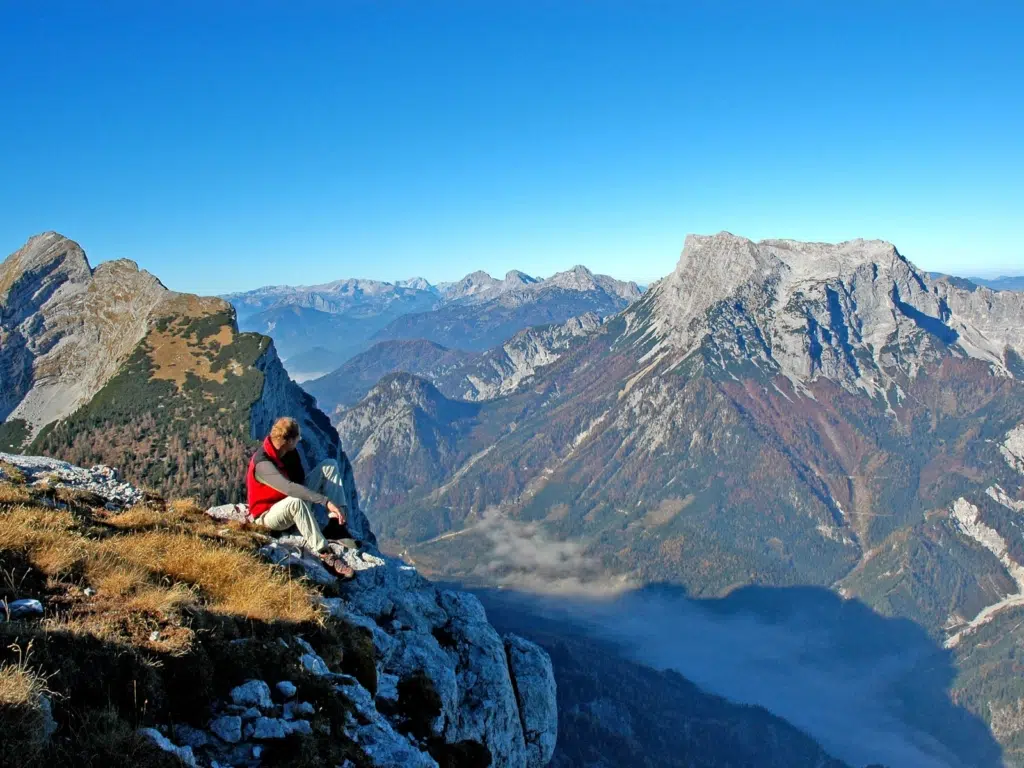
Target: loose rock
253,693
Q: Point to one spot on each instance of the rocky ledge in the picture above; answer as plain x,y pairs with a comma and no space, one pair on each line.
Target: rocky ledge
479,698
492,691
102,483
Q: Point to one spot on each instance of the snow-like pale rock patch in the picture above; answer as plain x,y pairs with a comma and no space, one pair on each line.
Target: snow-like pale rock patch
105,482
968,520
1013,448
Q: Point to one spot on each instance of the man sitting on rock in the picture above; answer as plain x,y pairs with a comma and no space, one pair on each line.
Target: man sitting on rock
282,495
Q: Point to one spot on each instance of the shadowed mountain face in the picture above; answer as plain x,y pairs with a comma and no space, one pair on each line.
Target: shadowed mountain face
869,689
771,413
346,386
319,328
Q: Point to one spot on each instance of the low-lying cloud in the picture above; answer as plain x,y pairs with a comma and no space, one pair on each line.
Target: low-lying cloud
868,688
524,557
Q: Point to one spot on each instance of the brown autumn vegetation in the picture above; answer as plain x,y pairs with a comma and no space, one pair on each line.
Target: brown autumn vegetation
151,614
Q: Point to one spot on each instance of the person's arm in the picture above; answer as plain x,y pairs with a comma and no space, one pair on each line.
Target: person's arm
268,474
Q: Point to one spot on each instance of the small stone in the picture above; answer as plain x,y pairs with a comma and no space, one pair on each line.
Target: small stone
286,688
252,713
21,609
267,728
89,591
314,665
253,693
49,724
228,729
154,636
257,751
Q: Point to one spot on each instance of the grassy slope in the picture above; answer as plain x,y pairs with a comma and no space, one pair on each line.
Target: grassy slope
163,425
150,641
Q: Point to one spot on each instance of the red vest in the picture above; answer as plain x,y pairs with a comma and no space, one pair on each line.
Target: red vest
263,497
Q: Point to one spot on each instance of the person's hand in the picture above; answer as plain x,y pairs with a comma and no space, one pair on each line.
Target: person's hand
335,512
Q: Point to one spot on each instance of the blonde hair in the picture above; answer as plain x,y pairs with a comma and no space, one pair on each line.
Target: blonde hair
285,428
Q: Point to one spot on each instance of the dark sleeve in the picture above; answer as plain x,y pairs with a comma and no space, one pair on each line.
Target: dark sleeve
268,474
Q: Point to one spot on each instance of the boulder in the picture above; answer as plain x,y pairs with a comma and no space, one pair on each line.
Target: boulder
227,728
253,693
534,681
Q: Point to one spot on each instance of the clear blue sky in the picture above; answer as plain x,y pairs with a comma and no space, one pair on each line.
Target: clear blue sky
225,145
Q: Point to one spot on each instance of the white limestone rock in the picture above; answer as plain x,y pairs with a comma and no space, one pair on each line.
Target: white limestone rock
1013,448
534,681
487,710
66,328
268,729
446,635
375,735
286,688
104,482
856,312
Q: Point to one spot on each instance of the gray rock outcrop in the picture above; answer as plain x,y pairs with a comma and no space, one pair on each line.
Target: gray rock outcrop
66,328
857,312
497,692
532,674
99,481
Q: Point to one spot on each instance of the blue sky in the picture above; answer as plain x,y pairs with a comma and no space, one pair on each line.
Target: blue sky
229,145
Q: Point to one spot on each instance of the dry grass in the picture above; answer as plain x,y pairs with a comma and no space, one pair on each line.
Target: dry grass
147,562
13,494
145,611
175,356
22,715
20,685
12,473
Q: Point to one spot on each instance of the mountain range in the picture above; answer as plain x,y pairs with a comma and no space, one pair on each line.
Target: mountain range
1003,283
776,413
107,365
318,328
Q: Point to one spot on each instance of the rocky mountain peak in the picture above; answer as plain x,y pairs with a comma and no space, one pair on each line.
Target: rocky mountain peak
48,260
854,311
579,278
515,278
472,285
416,283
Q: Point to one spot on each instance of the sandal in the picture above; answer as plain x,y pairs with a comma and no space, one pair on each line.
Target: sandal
337,565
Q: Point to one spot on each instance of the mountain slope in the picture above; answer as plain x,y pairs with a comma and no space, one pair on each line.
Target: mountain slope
774,413
316,328
119,370
347,385
65,328
404,419
459,375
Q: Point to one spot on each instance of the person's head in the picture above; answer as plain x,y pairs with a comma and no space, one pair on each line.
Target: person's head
285,434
